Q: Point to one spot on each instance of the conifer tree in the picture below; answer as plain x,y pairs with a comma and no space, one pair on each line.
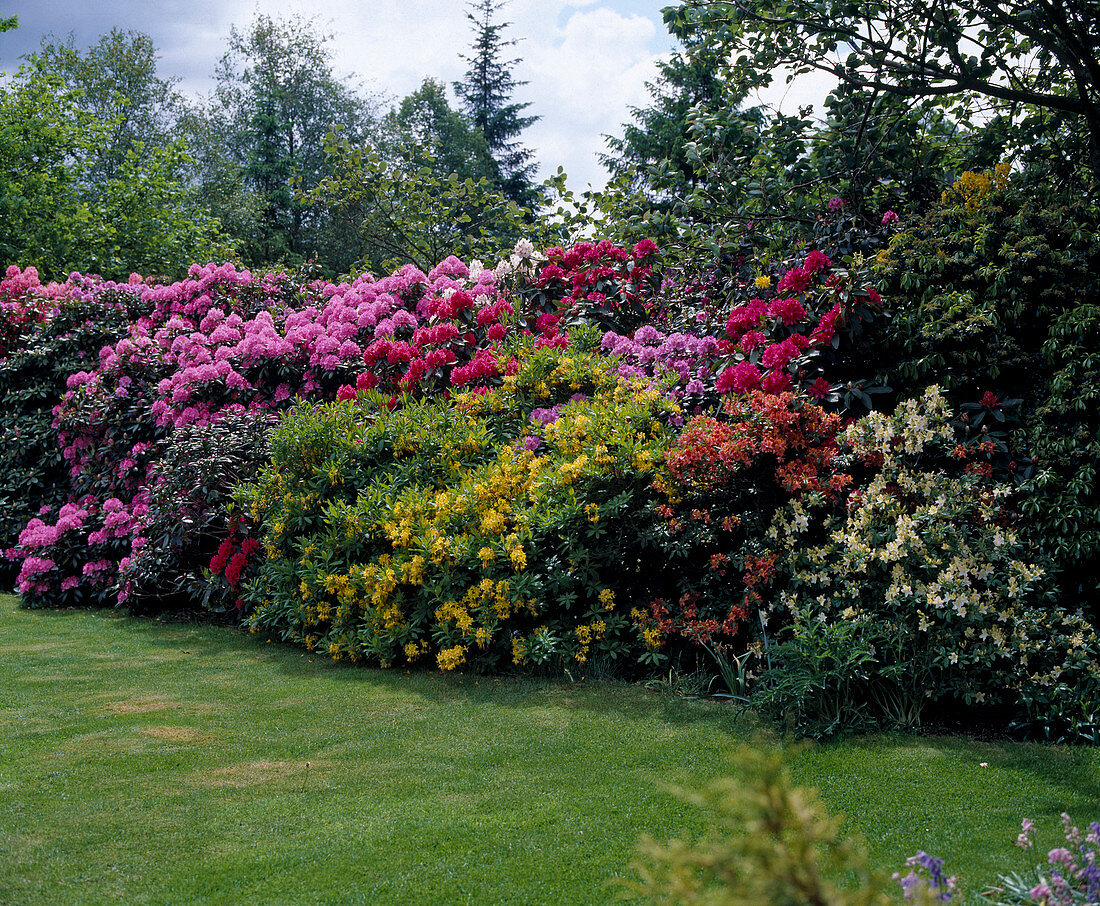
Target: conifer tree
486,95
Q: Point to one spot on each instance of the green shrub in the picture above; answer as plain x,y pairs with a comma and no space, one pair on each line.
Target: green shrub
770,843
188,517
920,596
993,294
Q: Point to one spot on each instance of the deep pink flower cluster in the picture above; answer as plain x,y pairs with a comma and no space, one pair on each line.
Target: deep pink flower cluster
226,340
598,278
771,338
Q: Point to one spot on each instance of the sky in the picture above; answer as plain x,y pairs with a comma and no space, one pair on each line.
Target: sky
585,62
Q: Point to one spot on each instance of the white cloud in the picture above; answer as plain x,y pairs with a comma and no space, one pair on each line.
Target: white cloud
589,73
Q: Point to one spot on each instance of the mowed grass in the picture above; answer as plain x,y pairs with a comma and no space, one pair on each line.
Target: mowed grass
147,762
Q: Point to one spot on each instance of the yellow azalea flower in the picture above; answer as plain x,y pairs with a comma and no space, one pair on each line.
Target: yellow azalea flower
451,658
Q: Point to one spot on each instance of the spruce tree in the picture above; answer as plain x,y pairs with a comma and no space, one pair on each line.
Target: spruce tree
486,94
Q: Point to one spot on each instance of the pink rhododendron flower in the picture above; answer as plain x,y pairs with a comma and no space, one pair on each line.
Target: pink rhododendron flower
776,382
789,311
740,378
779,355
817,261
752,340
796,280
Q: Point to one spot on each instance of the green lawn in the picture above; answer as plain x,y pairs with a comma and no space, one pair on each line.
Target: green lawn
158,763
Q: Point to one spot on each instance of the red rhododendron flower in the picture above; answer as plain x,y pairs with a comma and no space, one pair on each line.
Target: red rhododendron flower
546,323
644,248
746,317
233,570
742,377
551,272
789,311
826,328
776,382
751,340
817,261
819,389
796,280
779,355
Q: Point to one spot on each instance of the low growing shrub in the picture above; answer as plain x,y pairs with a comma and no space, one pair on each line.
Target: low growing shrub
492,530
769,842
919,597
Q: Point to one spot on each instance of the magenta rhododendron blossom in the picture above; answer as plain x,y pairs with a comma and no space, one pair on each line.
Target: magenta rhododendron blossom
796,280
789,311
739,378
817,261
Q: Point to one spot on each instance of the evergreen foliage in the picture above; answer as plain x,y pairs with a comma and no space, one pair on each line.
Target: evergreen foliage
277,100
486,94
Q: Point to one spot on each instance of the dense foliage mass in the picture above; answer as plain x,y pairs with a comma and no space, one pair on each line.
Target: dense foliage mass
835,451
568,462
994,298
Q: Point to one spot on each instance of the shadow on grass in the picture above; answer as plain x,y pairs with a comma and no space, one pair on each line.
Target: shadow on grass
1068,767
596,696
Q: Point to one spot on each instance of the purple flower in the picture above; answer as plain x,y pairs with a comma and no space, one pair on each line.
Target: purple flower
545,416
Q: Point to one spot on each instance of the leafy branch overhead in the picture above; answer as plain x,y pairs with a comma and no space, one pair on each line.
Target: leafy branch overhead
1004,57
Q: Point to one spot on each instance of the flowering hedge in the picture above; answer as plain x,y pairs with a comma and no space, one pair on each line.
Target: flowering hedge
226,341
493,469
487,530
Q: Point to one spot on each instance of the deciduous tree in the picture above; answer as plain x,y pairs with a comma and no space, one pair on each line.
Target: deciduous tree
1033,64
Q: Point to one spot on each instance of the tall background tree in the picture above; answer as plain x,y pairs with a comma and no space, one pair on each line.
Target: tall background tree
276,101
116,81
90,178
423,188
486,94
